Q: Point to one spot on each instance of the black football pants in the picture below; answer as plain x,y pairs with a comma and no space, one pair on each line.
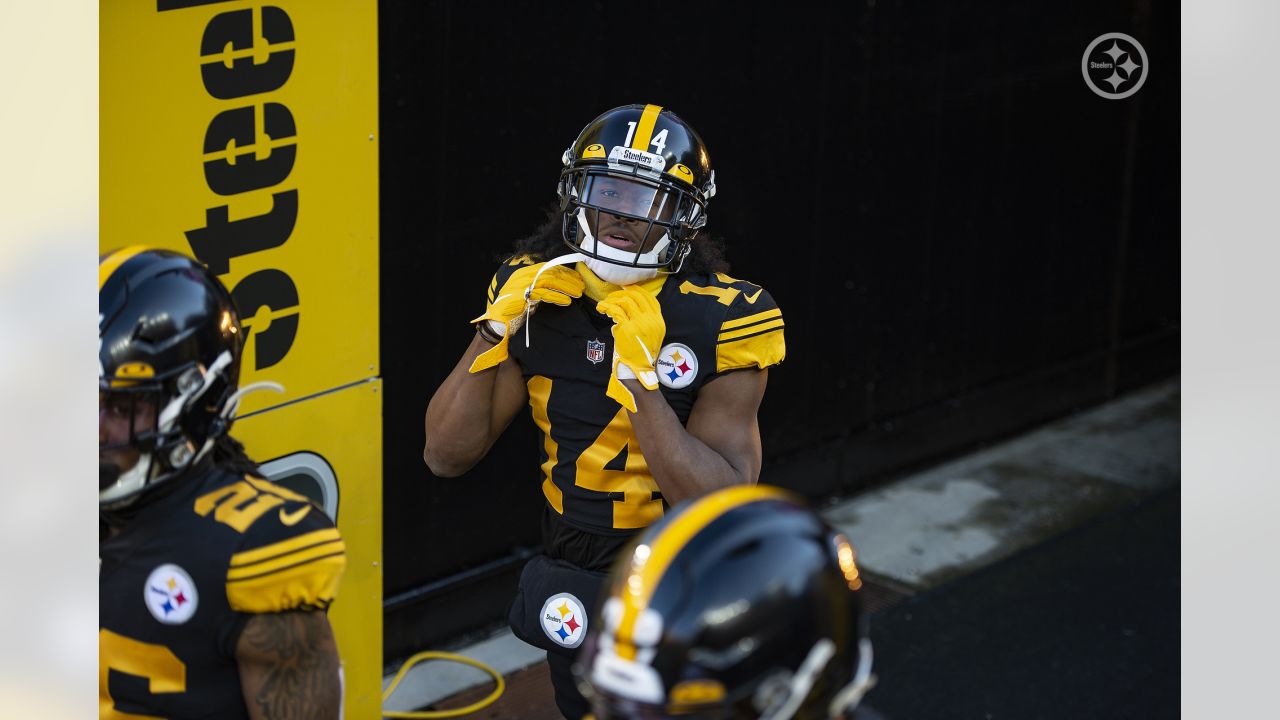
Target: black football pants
571,703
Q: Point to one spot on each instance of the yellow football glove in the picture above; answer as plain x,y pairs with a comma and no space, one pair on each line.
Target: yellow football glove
638,330
518,297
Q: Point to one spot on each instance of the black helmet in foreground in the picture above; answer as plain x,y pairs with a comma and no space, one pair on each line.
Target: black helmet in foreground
741,604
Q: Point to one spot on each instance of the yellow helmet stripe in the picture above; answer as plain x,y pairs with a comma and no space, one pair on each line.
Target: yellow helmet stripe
108,264
649,564
644,129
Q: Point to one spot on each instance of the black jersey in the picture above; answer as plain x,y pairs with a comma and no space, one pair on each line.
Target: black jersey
593,473
178,583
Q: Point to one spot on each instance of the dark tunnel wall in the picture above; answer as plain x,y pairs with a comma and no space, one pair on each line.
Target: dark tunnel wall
964,240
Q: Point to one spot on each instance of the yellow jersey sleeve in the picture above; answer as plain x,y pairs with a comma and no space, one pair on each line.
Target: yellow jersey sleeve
751,334
291,558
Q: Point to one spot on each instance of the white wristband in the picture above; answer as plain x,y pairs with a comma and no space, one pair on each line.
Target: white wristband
625,372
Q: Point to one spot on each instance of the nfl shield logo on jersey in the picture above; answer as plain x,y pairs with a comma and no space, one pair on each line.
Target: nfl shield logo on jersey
595,351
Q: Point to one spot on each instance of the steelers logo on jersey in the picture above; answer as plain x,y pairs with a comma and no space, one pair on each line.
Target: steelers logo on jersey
170,594
563,620
677,365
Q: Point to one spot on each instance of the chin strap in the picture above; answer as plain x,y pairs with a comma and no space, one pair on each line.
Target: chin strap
850,695
801,682
226,416
233,402
528,305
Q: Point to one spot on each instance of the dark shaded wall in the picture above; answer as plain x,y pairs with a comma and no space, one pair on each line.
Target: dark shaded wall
964,239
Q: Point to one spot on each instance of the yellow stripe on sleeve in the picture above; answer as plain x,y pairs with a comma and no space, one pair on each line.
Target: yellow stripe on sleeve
313,584
644,128
648,563
749,330
283,562
283,547
758,351
750,319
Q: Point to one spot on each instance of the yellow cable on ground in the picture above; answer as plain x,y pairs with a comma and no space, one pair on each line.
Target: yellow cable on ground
456,712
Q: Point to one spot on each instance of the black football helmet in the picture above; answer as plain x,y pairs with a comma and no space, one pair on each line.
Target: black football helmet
646,165
169,335
742,604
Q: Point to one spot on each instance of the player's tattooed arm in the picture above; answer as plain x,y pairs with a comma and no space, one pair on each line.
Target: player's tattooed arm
289,666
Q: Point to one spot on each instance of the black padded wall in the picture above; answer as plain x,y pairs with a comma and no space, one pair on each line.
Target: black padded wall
963,238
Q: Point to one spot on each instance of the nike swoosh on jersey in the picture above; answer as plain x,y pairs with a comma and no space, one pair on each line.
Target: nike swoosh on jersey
292,518
751,299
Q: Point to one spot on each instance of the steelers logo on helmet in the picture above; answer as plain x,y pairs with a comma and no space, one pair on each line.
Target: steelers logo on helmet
634,192
677,365
170,594
564,620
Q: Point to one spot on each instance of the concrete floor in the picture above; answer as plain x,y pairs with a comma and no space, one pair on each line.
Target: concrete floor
919,538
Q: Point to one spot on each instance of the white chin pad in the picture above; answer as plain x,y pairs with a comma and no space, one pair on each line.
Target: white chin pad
620,274
620,271
129,482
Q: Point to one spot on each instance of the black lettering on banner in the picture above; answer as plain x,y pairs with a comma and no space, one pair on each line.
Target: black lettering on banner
246,149
222,239
243,171
163,5
241,76
274,290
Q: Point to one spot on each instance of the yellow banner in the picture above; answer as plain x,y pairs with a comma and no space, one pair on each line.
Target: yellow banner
329,448
245,133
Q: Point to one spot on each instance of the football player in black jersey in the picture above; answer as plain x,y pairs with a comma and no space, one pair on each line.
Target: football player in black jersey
642,361
213,583
775,630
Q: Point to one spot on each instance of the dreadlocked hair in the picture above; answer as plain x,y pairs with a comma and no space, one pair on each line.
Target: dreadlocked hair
229,454
706,255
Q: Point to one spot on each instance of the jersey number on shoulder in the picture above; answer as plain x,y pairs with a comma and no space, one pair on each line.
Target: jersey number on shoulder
157,663
240,503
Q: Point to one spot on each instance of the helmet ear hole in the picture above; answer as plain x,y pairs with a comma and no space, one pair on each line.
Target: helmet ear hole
180,455
189,381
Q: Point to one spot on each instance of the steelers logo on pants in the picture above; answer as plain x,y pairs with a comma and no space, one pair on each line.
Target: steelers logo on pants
564,620
677,366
